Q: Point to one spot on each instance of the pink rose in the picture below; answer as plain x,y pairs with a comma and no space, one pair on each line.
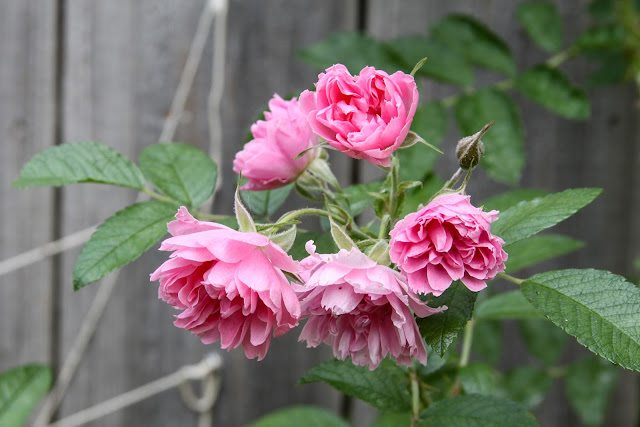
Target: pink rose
229,285
360,308
366,116
268,159
447,240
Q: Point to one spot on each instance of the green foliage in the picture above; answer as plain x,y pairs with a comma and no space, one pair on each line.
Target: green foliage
294,416
359,196
538,248
504,201
543,23
475,410
589,383
323,241
478,378
608,37
430,122
20,390
386,388
487,340
477,43
80,162
355,51
507,305
526,385
551,88
442,63
543,339
528,218
266,203
504,155
439,330
421,196
391,419
121,239
597,307
182,172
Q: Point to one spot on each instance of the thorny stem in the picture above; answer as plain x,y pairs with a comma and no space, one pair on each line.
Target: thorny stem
511,278
384,222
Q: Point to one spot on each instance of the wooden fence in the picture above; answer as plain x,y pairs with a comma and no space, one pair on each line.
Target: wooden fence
75,70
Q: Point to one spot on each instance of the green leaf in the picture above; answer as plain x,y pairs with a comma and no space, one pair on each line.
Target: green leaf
430,122
539,248
478,378
487,342
392,419
294,416
474,410
121,239
477,43
503,201
182,172
589,383
439,330
80,162
421,196
526,385
607,37
266,203
504,155
543,23
597,307
323,241
507,305
544,340
20,390
359,197
551,88
528,218
386,388
355,51
442,63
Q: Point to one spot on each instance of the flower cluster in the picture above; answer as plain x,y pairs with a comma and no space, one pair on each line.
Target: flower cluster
241,287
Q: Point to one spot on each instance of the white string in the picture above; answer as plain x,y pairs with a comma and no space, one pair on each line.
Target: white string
206,371
42,252
217,89
90,323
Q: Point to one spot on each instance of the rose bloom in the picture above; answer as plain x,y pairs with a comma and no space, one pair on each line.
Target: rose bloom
360,308
447,240
367,116
268,159
229,285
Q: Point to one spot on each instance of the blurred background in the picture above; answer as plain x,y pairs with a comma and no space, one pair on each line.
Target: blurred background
106,71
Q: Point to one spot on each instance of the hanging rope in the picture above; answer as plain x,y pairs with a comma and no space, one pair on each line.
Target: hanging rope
90,323
208,371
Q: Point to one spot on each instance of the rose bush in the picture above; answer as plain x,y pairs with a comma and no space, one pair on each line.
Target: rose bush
362,309
365,117
447,240
229,285
269,160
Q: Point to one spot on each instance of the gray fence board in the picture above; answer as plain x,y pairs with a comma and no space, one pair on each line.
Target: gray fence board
122,61
27,111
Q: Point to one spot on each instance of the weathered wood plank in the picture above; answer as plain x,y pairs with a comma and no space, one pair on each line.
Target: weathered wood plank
601,152
123,62
27,114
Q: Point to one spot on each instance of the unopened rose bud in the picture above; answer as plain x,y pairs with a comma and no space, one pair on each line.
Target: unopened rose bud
470,149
